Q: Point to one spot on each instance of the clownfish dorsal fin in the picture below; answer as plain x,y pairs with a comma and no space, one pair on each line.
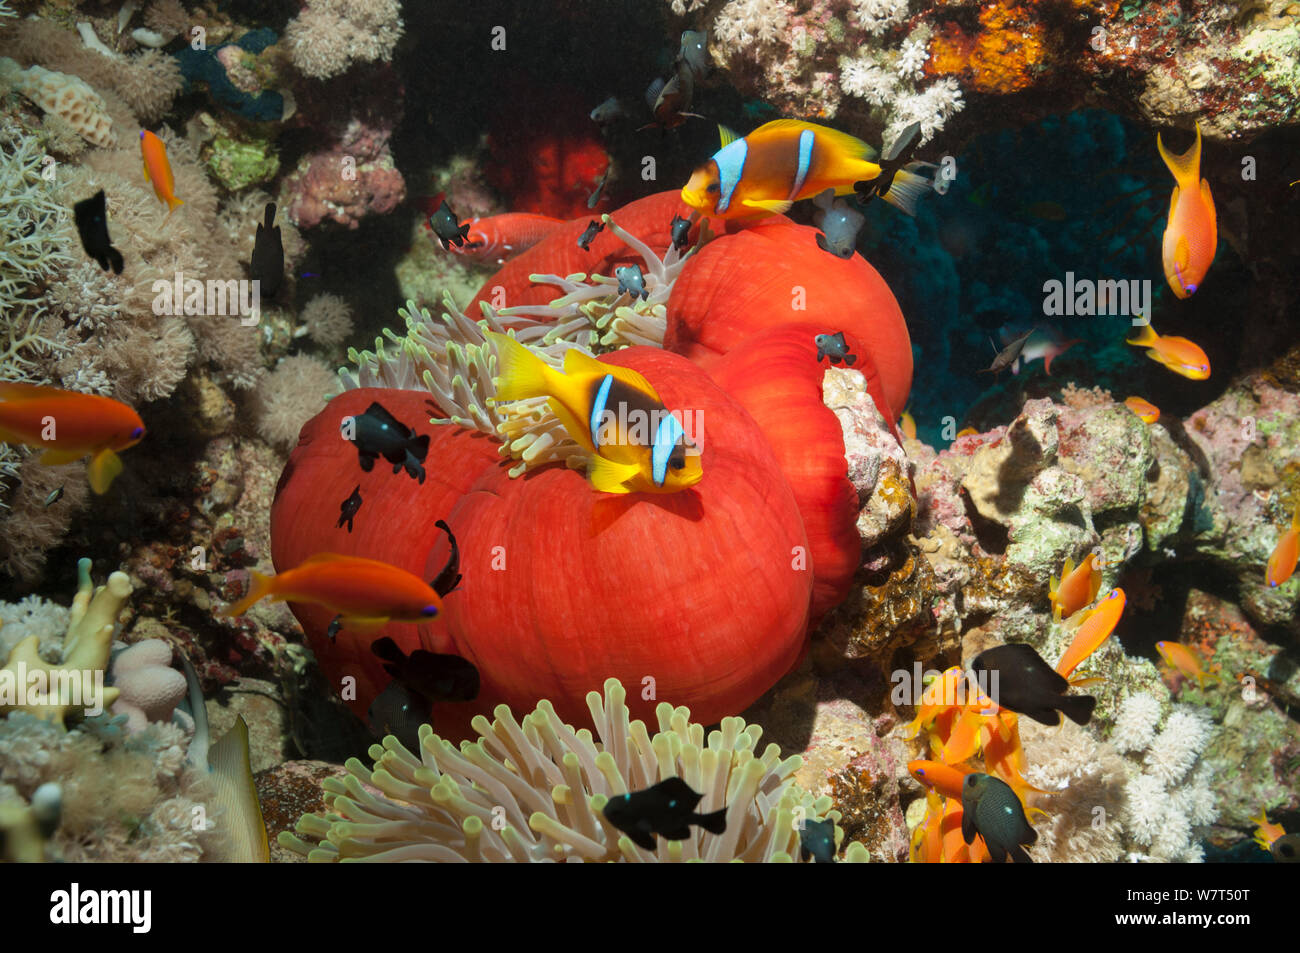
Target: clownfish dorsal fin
576,362
728,136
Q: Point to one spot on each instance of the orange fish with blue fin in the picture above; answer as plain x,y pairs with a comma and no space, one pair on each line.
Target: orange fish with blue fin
1180,355
1077,587
366,594
70,425
1180,657
785,161
1191,235
594,400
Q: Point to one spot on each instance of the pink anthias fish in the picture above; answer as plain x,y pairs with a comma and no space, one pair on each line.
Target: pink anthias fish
1044,345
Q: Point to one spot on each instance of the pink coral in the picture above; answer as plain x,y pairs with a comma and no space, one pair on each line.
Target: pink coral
353,179
150,687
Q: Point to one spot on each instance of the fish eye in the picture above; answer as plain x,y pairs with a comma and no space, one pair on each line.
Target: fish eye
676,463
137,433
713,187
429,611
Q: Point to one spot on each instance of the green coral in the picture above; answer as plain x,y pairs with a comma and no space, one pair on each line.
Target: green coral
1276,54
238,164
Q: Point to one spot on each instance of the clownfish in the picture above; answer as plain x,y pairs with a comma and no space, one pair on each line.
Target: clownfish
1178,354
784,161
158,170
592,398
1191,236
1282,563
1076,588
1092,632
70,425
366,593
1146,411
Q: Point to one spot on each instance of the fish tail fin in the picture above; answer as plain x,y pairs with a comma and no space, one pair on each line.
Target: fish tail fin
172,204
1186,167
1146,336
520,373
1295,516
103,470
259,585
715,823
1078,708
906,190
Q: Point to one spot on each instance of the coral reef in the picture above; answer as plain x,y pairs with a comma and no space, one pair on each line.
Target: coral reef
353,178
290,396
329,36
551,783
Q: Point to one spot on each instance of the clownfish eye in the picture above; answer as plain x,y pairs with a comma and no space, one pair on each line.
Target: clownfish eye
676,463
429,611
137,433
713,187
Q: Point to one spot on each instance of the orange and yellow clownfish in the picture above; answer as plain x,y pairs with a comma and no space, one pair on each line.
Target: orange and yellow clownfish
1146,411
69,425
1282,563
158,170
366,593
784,161
1077,587
1095,629
591,398
1180,657
1178,354
1191,236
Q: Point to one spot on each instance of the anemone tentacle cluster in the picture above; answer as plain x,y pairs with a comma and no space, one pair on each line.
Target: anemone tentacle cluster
534,792
451,356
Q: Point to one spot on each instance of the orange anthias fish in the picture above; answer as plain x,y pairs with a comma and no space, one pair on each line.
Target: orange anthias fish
908,425
1077,587
1180,657
941,694
946,779
158,170
1282,563
1095,629
366,593
1146,411
1266,834
498,238
1191,236
1178,354
69,425
782,162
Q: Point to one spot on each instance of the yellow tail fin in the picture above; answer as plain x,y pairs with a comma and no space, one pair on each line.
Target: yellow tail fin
520,373
103,470
259,586
1186,167
1146,336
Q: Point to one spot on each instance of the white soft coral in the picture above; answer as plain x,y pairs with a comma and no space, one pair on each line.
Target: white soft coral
745,22
877,16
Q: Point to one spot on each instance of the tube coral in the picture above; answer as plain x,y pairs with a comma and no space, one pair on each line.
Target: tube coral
548,784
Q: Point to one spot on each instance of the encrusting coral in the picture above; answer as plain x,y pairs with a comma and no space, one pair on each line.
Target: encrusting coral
67,686
534,792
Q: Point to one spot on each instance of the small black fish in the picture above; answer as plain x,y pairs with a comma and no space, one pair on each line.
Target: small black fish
900,182
594,197
694,52
834,348
332,629
1019,680
817,839
55,495
378,433
267,264
839,223
1007,356
92,225
348,508
449,578
447,226
607,111
593,229
991,809
399,712
680,230
438,678
631,281
669,101
667,809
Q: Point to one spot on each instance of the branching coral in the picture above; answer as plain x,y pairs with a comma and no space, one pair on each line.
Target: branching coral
533,792
328,36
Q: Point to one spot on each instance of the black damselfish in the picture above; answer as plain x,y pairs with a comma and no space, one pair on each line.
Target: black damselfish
419,680
834,348
447,226
1026,684
348,508
991,809
267,265
667,809
817,840
377,433
593,229
92,225
449,578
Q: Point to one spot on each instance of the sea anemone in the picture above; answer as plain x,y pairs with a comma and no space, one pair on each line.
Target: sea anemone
534,792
